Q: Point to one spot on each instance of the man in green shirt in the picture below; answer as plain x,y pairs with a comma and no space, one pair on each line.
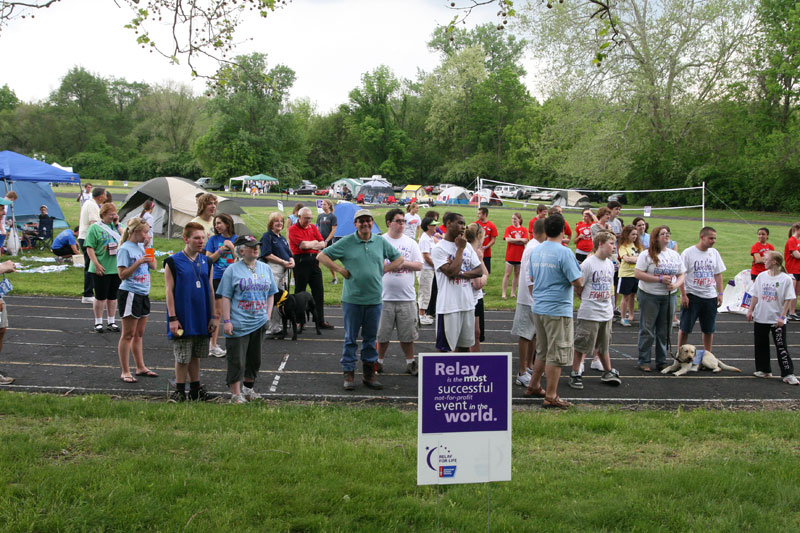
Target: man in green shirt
364,257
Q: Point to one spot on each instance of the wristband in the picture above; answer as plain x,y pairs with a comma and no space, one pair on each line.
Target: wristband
719,294
660,279
214,317
226,321
173,319
782,318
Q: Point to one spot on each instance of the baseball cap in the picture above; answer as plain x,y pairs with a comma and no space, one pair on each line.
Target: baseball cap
362,213
246,240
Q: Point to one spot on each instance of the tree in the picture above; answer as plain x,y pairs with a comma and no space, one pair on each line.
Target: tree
168,117
8,99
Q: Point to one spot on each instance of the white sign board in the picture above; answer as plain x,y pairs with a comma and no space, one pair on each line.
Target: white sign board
464,418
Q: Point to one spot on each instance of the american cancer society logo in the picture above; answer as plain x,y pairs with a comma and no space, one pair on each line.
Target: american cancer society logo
447,461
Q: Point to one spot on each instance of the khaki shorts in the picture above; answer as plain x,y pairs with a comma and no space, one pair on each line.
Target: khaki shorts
554,339
400,315
4,315
590,334
187,348
523,323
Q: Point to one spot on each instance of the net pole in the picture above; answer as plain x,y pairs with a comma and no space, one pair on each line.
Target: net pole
704,204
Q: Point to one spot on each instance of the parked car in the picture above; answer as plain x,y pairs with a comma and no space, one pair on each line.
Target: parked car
322,192
208,184
506,191
439,188
306,187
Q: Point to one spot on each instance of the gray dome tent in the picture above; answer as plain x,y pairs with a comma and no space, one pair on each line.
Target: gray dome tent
175,205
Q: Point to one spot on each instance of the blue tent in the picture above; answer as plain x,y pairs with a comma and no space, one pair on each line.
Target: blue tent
31,197
345,211
17,167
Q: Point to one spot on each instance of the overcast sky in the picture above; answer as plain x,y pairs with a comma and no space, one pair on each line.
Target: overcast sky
328,43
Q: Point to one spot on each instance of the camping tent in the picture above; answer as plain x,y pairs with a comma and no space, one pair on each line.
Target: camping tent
485,197
16,167
453,195
354,184
376,191
345,211
241,179
31,197
175,205
414,192
571,198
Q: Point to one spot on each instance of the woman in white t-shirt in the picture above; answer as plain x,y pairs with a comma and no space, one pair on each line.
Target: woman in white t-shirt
773,294
474,235
660,272
413,221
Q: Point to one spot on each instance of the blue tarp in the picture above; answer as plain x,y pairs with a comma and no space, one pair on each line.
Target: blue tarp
344,212
31,197
17,167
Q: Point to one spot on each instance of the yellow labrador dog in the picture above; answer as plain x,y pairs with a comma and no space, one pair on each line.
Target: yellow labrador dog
685,361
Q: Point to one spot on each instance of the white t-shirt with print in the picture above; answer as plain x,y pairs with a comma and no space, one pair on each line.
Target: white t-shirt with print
454,294
771,292
525,281
597,301
412,223
701,267
669,264
426,244
398,286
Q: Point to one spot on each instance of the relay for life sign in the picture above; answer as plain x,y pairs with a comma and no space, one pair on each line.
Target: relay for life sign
464,418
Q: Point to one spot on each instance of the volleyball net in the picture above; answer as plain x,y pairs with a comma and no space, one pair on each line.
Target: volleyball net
562,197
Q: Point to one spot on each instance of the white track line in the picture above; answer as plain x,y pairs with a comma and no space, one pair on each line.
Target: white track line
274,386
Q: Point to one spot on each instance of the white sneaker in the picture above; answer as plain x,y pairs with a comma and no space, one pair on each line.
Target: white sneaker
87,300
597,365
791,380
523,379
238,398
760,374
249,394
216,351
426,320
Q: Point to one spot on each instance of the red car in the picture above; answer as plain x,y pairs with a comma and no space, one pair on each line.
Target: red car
321,192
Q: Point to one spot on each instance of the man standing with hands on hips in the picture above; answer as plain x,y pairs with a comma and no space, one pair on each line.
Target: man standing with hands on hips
364,258
701,293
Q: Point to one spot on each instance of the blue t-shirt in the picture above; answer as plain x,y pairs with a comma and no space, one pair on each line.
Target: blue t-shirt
65,238
248,293
275,244
226,257
139,281
194,304
553,268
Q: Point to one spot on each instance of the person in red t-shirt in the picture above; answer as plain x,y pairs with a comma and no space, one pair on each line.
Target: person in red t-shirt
791,254
759,253
541,212
556,209
306,241
516,238
583,235
489,236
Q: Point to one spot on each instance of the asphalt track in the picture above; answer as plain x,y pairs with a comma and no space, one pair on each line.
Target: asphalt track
50,346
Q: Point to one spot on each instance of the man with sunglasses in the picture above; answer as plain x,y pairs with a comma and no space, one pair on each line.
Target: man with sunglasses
364,261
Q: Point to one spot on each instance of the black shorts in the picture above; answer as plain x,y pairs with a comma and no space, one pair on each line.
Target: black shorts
105,286
513,263
581,256
215,283
796,277
132,304
628,286
703,308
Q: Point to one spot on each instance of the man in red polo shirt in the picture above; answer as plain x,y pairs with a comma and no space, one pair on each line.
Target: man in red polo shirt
489,236
306,241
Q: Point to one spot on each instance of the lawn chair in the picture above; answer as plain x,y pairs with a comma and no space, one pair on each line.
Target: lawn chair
43,239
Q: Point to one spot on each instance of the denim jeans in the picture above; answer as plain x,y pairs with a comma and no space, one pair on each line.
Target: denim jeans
363,319
655,322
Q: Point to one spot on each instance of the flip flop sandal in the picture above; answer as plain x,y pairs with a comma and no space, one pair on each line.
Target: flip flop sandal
128,379
147,374
556,403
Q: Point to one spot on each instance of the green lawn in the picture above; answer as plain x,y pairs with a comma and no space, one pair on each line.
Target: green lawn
97,464
733,241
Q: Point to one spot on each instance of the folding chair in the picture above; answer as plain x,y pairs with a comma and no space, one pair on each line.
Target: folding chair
43,239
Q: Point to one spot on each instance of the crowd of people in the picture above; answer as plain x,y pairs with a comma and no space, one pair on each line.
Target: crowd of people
417,273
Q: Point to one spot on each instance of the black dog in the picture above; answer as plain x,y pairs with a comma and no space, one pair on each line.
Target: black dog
297,308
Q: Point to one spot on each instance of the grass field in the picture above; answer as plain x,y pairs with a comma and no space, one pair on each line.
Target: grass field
734,242
97,464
